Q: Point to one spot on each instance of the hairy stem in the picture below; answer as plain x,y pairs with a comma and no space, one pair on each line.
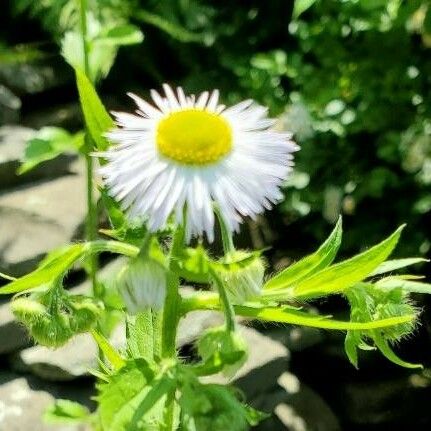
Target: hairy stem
91,223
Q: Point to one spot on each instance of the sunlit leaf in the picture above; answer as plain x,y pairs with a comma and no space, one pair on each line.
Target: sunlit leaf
342,275
126,34
108,350
310,264
393,265
47,144
97,119
295,317
301,6
406,285
66,412
46,274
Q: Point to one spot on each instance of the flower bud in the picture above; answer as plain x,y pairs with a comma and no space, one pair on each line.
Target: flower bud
52,330
84,312
142,284
27,310
243,278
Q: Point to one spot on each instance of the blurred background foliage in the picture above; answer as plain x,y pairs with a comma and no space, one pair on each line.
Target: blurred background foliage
349,77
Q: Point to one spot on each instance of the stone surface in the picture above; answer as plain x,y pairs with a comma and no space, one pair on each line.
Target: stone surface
13,336
24,399
267,360
39,217
295,407
13,141
10,106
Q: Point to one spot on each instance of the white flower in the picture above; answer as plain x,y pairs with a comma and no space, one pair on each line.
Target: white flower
142,284
189,152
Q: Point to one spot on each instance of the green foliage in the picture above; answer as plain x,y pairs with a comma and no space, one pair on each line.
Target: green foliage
221,349
370,301
97,120
310,264
102,46
66,411
130,393
48,143
340,276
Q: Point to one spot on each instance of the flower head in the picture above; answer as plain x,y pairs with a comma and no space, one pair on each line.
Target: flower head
142,284
188,152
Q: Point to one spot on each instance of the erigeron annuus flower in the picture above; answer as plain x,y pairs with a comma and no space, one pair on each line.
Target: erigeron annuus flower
189,152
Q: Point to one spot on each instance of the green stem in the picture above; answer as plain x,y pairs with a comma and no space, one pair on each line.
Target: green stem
91,225
171,310
226,235
226,304
170,318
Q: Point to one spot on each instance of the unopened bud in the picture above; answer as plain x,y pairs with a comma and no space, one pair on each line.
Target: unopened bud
142,284
243,278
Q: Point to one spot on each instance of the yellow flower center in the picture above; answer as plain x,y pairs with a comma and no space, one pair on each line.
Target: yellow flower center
194,137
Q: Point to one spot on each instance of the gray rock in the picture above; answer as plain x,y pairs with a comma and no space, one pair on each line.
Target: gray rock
267,360
79,356
68,116
296,339
13,141
13,336
24,399
26,78
10,106
75,359
296,407
39,217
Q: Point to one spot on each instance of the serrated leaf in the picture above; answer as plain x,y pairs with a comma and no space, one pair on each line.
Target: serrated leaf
96,117
342,275
47,144
309,264
66,412
295,317
51,270
140,335
393,265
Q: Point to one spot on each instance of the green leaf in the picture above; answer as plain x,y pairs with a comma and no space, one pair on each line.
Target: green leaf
97,119
48,143
386,350
108,350
295,317
126,34
140,335
131,392
406,285
310,264
66,411
174,30
50,271
342,275
301,6
393,265
193,265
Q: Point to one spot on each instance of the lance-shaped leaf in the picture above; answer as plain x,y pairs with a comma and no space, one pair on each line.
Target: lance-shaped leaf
66,412
96,117
406,285
342,275
393,265
309,264
108,350
295,317
51,269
